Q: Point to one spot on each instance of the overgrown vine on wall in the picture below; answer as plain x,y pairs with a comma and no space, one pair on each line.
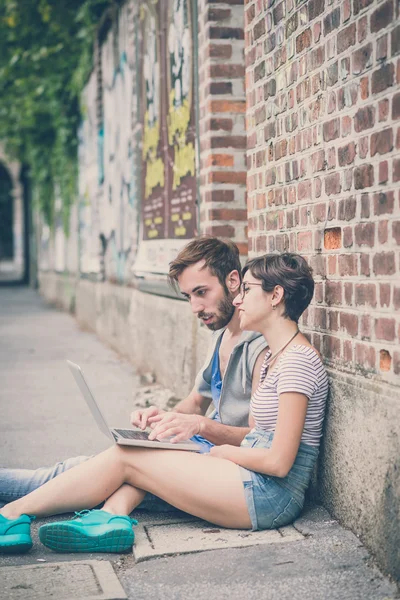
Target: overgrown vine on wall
46,51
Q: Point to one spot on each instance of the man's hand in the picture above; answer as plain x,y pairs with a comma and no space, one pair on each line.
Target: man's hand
179,425
140,418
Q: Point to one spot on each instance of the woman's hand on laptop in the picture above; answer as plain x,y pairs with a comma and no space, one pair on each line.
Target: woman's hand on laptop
140,418
179,425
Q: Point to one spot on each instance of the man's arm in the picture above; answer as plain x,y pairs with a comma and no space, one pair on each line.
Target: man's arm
184,426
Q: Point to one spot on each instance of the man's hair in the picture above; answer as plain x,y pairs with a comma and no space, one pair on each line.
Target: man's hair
220,256
292,273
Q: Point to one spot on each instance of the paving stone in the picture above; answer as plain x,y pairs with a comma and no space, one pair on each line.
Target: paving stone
181,538
89,580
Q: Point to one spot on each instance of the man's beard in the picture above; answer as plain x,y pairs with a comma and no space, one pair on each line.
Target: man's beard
223,315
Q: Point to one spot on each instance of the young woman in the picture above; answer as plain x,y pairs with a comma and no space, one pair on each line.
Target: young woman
259,485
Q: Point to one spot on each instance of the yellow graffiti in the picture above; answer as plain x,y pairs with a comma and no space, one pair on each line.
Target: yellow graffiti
153,233
184,154
178,119
158,220
180,231
154,176
184,163
175,218
186,216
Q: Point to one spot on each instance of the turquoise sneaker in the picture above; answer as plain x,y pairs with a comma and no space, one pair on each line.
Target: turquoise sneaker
89,531
15,535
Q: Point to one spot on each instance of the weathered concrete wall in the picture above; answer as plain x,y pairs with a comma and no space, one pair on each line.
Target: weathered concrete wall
359,467
158,334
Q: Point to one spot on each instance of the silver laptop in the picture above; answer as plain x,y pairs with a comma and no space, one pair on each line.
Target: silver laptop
125,437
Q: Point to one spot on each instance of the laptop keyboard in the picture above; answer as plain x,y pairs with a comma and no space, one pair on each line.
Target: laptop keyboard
131,434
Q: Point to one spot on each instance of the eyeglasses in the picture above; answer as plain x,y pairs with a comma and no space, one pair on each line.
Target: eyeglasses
243,289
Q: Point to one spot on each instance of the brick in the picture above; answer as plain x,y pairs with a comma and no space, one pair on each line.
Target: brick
385,360
383,203
346,154
332,238
315,58
229,71
362,59
346,10
227,231
269,89
269,131
226,33
346,38
331,347
220,160
365,234
220,50
332,184
228,177
303,41
381,47
383,109
396,170
220,196
365,327
315,8
292,24
365,357
365,206
348,293
363,176
384,263
396,107
259,71
235,106
383,232
364,118
383,172
396,231
359,5
347,351
382,78
220,87
346,126
347,209
348,265
396,298
279,12
364,88
304,190
229,141
396,363
364,265
331,130
349,323
381,17
332,21
395,41
382,142
332,74
363,146
362,29
224,124
384,294
318,161
347,237
304,241
228,214
385,329
365,293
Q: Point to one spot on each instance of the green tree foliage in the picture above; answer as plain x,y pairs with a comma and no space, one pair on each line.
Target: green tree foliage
46,50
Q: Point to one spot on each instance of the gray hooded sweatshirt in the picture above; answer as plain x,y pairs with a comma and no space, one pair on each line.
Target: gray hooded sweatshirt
237,381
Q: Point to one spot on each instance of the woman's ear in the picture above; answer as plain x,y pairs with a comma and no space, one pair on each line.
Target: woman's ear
233,281
278,294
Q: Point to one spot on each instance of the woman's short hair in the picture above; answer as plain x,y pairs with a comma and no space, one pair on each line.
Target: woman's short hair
292,273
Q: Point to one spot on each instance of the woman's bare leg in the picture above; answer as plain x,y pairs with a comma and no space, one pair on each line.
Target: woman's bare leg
207,487
124,500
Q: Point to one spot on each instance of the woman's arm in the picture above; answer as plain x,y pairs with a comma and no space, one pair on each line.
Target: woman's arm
278,459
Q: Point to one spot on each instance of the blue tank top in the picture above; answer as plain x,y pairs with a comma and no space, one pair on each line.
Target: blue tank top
216,387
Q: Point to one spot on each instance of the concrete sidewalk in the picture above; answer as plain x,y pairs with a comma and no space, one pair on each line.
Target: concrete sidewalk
44,420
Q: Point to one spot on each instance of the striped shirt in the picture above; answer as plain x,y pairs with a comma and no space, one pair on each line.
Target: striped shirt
299,369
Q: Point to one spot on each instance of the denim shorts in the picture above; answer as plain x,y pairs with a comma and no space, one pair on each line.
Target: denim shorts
273,502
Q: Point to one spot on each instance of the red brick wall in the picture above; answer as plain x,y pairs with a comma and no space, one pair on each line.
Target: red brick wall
323,110
223,210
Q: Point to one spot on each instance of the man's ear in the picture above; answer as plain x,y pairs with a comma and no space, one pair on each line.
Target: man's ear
233,281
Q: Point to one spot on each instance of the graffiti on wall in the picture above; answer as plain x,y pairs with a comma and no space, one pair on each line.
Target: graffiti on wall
168,216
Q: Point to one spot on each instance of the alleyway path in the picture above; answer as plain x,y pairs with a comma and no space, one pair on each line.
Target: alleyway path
44,419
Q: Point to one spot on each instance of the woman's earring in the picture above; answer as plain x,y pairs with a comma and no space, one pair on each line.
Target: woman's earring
273,306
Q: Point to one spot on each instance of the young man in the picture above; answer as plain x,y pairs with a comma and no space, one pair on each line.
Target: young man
207,271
